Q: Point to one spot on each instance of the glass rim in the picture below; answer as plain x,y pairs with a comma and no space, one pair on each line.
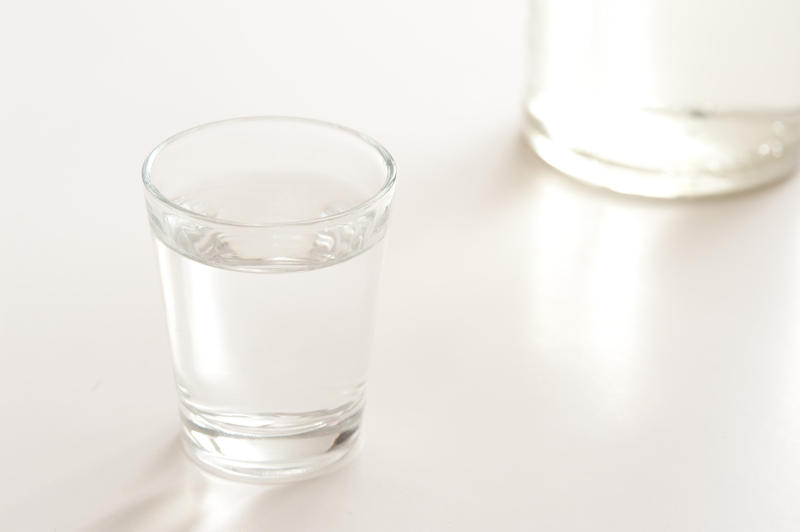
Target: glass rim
385,188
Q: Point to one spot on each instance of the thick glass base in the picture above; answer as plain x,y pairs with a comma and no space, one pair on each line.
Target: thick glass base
271,448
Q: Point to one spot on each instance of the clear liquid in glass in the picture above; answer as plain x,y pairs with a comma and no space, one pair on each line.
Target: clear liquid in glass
270,358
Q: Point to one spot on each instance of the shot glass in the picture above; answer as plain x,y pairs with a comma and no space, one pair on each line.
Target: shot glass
268,233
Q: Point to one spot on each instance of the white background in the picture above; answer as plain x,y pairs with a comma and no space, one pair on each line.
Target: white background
548,356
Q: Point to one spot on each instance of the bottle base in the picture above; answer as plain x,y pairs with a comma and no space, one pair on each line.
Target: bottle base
663,152
643,182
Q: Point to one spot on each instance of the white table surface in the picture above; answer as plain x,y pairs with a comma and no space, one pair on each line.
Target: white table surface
548,356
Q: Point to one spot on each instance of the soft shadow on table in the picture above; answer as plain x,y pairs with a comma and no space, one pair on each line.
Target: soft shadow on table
166,496
173,494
